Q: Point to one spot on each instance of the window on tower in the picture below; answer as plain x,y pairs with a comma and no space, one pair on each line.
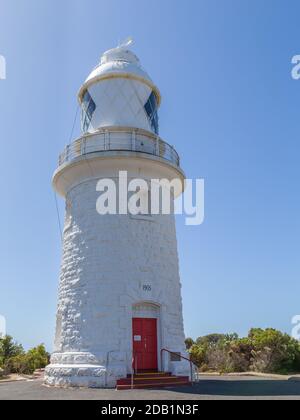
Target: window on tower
151,109
88,109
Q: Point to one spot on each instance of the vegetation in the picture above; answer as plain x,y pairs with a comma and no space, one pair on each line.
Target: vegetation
265,351
13,358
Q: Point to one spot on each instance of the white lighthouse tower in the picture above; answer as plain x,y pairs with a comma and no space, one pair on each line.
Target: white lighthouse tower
120,302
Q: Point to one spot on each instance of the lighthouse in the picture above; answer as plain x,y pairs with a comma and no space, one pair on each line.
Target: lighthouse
120,306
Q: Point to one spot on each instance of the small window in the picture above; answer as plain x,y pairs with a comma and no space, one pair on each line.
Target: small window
88,109
151,110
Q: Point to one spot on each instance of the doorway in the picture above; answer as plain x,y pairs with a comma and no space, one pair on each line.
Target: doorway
145,344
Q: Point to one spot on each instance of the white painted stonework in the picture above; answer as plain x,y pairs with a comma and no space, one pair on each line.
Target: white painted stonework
114,268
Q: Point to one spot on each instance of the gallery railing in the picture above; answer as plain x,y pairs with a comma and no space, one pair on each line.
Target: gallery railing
123,140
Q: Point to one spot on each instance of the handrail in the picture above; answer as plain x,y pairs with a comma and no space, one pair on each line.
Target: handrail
121,140
181,357
132,371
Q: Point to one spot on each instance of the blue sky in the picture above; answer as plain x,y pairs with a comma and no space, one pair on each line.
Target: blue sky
231,109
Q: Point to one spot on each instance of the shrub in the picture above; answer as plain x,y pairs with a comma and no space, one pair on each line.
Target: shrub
211,340
274,352
267,351
219,360
27,363
19,364
189,342
240,354
37,358
8,349
198,355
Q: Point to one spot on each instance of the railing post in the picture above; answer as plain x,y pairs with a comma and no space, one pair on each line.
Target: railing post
105,140
157,146
82,151
68,153
133,141
173,154
132,370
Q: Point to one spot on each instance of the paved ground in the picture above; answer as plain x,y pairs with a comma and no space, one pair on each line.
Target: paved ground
207,389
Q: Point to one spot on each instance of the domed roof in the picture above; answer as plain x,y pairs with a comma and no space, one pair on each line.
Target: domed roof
119,62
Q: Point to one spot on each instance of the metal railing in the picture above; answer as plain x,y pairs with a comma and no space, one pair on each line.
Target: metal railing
119,140
181,357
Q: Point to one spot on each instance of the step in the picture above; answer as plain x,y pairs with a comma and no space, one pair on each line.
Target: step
150,374
160,378
145,383
151,379
148,378
157,385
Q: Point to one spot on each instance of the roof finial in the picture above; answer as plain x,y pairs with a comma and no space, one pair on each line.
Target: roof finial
126,43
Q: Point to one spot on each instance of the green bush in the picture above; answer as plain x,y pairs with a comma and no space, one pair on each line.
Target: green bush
37,358
274,352
13,358
240,352
198,355
219,360
18,364
267,351
8,349
189,342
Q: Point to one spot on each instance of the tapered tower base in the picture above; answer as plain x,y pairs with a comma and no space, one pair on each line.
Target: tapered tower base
81,370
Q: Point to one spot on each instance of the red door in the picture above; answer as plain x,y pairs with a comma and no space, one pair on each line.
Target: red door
145,344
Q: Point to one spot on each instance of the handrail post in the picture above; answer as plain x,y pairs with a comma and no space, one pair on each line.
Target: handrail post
105,140
85,145
68,153
132,371
173,153
133,141
161,360
157,146
82,151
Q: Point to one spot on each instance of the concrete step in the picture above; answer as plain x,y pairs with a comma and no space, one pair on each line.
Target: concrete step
156,385
151,380
150,374
157,380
